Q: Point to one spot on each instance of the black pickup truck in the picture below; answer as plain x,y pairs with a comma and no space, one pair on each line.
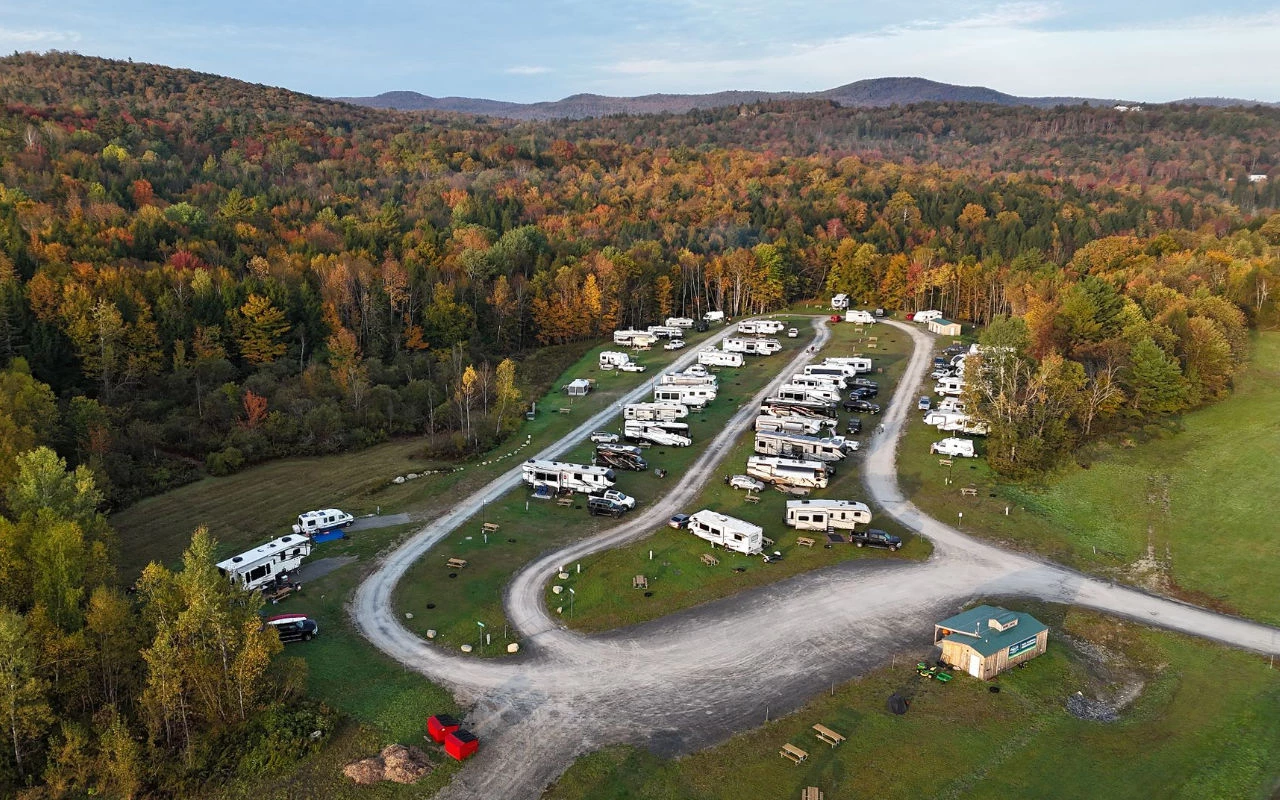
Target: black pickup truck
874,537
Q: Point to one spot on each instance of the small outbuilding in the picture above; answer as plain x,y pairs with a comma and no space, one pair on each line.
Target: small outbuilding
578,388
988,640
944,327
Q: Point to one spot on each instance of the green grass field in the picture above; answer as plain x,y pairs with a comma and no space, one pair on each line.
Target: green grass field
452,606
261,502
1207,724
1187,510
603,595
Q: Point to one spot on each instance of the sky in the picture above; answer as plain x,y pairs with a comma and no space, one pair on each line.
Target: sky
1139,50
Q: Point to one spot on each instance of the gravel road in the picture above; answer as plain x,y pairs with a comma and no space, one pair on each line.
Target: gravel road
694,678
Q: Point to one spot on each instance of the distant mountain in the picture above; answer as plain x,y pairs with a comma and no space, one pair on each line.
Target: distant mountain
874,92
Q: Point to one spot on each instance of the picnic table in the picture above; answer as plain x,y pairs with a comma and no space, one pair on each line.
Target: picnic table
491,527
751,498
795,754
969,491
827,735
944,462
804,540
564,410
811,793
639,582
710,560
565,501
457,563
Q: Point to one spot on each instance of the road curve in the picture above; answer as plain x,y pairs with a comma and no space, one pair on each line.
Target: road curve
694,678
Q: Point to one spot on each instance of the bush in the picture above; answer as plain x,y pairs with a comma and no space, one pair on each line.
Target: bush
283,735
224,462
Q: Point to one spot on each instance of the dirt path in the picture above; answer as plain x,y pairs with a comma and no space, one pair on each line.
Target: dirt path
694,678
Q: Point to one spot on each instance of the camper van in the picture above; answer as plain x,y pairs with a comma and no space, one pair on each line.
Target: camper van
798,408
730,533
326,519
794,445
718,358
788,471
839,302
685,379
860,364
821,515
695,397
654,411
561,476
262,565
818,394
768,423
860,317
637,431
612,359
949,387
678,322
634,338
713,316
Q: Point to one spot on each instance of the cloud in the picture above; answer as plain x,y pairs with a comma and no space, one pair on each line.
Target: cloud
28,38
525,69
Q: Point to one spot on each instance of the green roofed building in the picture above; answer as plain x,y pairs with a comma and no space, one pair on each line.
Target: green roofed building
988,640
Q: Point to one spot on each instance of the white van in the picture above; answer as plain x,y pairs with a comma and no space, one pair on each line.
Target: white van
861,317
713,316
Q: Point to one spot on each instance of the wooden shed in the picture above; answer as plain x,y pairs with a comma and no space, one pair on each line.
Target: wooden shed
988,640
944,327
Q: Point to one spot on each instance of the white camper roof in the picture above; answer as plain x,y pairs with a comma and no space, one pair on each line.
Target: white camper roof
725,522
831,504
563,466
262,553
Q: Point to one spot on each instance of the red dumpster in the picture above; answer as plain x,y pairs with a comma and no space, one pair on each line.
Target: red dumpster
441,725
461,744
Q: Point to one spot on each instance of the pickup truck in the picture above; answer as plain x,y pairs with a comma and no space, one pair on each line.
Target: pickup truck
874,537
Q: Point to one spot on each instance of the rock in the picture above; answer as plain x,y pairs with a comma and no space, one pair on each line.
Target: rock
431,634
557,589
514,647
408,615
398,479
466,648
564,576
412,476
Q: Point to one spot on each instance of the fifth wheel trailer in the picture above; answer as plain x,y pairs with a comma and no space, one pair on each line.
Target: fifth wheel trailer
860,364
819,515
685,379
817,394
730,533
654,411
261,565
788,471
794,445
636,430
797,408
769,423
571,477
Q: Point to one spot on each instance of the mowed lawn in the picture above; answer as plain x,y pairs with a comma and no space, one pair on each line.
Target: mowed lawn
1206,725
260,503
671,561
452,601
1200,502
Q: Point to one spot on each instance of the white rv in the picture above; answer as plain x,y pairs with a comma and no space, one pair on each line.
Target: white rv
747,327
952,404
788,471
836,382
929,315
630,338
949,387
954,421
818,394
841,370
261,565
754,347
730,533
679,322
326,519
860,364
860,317
612,359
767,423
713,316
691,396
821,515
685,379
654,411
767,326
799,408
666,332
839,302
635,430
718,358
794,445
568,477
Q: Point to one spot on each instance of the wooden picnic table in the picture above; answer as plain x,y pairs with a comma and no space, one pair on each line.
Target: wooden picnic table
811,793
795,754
710,560
491,527
639,582
804,540
565,501
827,735
565,410
968,491
751,498
944,462
457,563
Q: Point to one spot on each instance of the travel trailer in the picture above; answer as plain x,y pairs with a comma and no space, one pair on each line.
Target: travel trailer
788,471
685,379
620,456
949,387
718,358
611,359
747,327
730,533
754,347
767,423
952,404
821,515
836,382
561,476
634,338
264,564
679,322
841,370
326,519
861,364
795,445
839,302
818,394
694,396
654,411
926,316
768,326
637,431
666,331
797,408
860,317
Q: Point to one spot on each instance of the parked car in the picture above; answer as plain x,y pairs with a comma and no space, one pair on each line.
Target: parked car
632,366
874,537
879,312
941,372
855,425
863,406
604,437
924,404
745,482
679,521
294,627
911,315
953,446
674,344
602,506
625,500
792,333
863,392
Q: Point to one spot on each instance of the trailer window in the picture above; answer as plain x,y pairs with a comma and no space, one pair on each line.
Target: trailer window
258,572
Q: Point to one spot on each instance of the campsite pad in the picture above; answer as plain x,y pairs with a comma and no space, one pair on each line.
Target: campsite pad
836,537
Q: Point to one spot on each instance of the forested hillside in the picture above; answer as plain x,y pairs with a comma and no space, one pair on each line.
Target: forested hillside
206,273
